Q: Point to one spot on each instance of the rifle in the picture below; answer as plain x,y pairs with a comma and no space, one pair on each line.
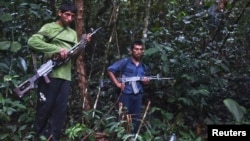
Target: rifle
137,78
133,80
48,67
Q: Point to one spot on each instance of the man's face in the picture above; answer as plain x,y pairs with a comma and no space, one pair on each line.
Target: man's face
137,51
66,18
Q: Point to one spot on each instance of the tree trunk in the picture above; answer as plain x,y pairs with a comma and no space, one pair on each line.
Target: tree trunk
80,64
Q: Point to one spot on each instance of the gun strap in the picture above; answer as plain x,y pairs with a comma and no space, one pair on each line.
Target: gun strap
69,42
48,38
34,61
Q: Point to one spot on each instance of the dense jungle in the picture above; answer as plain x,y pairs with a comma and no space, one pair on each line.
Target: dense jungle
202,45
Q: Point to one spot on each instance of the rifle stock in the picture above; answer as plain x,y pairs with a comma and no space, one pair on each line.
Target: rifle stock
26,85
29,84
46,68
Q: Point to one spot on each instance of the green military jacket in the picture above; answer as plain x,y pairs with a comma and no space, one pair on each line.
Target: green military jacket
63,38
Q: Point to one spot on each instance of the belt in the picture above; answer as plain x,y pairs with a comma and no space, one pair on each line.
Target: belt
133,93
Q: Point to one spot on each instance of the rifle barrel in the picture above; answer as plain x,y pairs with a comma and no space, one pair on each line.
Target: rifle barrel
95,31
165,78
81,41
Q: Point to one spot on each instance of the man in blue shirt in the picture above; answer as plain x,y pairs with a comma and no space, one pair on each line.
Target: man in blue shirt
131,94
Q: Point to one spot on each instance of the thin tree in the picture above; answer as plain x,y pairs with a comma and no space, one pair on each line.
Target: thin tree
80,64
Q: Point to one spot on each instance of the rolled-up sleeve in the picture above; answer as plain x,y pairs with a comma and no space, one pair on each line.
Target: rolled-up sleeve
114,67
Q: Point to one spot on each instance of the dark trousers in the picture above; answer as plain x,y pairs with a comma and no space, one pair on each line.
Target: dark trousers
51,107
133,103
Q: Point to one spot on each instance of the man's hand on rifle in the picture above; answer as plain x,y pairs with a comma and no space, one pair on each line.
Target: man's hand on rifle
145,80
86,37
120,85
63,53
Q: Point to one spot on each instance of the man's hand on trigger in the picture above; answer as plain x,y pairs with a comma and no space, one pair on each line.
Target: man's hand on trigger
145,80
63,53
88,38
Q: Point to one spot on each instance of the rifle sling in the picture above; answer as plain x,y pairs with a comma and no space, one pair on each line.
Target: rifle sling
69,42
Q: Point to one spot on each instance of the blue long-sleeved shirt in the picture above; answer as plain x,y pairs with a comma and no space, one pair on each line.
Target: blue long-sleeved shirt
126,67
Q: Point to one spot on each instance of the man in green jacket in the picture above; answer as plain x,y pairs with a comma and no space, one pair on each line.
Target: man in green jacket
54,38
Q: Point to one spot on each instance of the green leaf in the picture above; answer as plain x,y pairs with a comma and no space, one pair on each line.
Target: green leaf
6,17
23,63
237,110
168,48
164,58
5,45
10,110
7,78
15,46
151,51
4,66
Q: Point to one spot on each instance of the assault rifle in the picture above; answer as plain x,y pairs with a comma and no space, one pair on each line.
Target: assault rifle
137,78
133,80
48,67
